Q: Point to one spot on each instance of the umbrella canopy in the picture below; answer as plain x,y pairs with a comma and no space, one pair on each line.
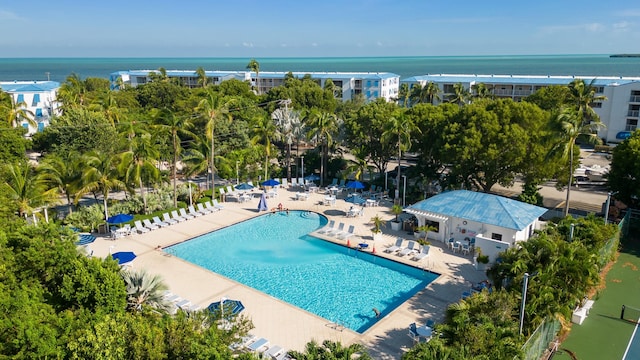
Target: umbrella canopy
120,218
123,257
270,182
355,199
312,177
262,204
84,239
355,185
225,306
244,186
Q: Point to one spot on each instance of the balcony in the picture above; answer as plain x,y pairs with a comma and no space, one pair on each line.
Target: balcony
633,113
634,98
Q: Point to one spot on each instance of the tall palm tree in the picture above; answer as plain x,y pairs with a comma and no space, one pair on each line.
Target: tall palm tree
145,289
404,95
569,127
264,130
432,91
107,104
26,188
322,127
168,122
287,123
214,108
100,174
583,95
63,173
399,129
202,76
14,112
73,91
359,165
481,91
139,165
254,66
425,94
460,94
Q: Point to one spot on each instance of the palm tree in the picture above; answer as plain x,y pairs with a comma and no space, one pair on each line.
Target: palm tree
214,108
460,94
399,129
173,125
287,123
63,173
481,91
73,91
202,76
425,94
264,130
583,95
106,103
322,127
145,289
359,165
433,92
26,188
254,66
14,112
570,127
138,165
100,174
404,94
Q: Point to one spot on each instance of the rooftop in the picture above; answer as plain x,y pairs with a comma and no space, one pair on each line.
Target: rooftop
521,79
29,86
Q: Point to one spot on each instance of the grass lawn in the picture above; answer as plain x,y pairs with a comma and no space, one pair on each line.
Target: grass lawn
603,335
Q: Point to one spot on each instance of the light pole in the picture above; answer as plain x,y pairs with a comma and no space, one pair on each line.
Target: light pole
237,173
606,207
190,197
404,190
573,226
524,297
302,168
385,180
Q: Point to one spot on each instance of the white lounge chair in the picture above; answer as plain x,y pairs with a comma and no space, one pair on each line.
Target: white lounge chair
149,225
166,218
284,183
177,217
396,247
157,221
422,254
347,234
328,228
202,209
259,345
294,182
141,229
276,353
217,205
337,230
209,206
184,214
410,249
193,211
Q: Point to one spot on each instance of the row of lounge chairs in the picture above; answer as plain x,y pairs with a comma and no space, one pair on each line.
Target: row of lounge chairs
337,232
176,303
260,346
412,248
176,216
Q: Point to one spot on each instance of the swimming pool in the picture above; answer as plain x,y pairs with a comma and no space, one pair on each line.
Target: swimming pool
273,253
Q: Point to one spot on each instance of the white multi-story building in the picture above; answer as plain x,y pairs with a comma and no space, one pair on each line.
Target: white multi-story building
619,113
38,97
347,85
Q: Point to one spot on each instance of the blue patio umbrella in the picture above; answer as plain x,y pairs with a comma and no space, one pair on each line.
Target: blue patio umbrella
84,239
355,199
270,182
120,218
226,306
355,185
262,205
244,187
123,257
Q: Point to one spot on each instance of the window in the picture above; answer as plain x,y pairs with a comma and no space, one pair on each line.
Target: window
20,99
36,100
434,224
632,125
495,236
596,105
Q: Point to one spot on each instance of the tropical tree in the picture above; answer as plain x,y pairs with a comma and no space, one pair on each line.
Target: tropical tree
331,350
582,97
106,103
398,130
25,187
100,174
425,94
214,108
202,76
404,95
254,66
139,165
15,112
481,91
264,130
63,172
624,176
144,289
288,128
322,127
568,127
460,94
72,92
359,166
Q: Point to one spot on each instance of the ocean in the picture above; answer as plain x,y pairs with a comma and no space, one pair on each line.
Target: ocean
57,69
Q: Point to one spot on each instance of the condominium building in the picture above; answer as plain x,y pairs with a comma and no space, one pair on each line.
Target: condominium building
38,97
619,113
346,85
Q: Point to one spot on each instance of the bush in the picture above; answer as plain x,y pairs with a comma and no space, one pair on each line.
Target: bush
86,218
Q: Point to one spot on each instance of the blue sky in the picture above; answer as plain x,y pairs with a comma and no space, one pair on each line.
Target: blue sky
278,28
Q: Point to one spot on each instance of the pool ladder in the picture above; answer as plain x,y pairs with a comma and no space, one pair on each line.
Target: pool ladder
338,325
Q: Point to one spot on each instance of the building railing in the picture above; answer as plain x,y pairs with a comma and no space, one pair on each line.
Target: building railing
633,113
634,98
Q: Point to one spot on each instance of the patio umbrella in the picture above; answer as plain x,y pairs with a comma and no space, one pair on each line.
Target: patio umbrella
355,199
355,185
226,306
244,187
123,257
270,182
120,218
262,205
84,239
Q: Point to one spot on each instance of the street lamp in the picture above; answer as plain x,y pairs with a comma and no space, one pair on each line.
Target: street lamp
524,297
606,207
385,180
302,168
190,197
571,232
237,173
404,190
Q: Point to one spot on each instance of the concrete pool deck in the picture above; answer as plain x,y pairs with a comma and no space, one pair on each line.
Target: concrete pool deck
284,324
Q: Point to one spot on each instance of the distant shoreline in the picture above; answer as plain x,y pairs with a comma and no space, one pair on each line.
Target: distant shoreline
625,56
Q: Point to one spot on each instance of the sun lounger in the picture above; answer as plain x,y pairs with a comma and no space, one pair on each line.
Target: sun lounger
149,225
422,254
202,209
157,221
193,212
276,353
184,214
177,217
217,205
330,227
336,231
346,234
259,345
141,229
410,249
166,218
396,247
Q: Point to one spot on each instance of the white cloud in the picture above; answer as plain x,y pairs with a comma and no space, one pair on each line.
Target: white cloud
379,43
283,45
247,44
8,16
628,13
622,26
314,44
589,27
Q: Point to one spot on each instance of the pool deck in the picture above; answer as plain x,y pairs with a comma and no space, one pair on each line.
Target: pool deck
283,324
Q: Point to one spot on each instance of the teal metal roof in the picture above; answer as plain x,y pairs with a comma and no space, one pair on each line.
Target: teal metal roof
35,86
519,79
480,207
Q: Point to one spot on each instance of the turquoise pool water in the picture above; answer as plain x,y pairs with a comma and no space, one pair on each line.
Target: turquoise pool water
274,254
